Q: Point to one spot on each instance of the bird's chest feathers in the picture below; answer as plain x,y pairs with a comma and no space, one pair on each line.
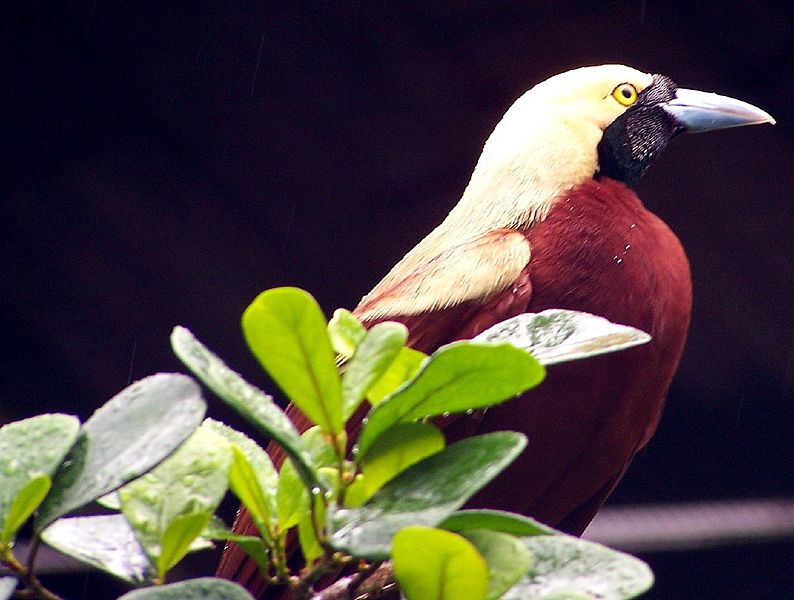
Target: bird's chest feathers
599,250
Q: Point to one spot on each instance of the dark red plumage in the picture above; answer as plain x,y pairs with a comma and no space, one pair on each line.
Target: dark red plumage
548,221
586,421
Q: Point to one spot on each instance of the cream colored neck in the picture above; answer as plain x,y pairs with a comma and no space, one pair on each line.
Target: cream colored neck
529,160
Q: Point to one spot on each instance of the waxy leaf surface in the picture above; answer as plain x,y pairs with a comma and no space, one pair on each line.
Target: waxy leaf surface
104,541
398,448
457,377
252,477
292,500
567,567
134,431
557,335
432,564
505,555
203,588
252,403
31,450
286,330
345,332
190,482
373,356
495,520
424,494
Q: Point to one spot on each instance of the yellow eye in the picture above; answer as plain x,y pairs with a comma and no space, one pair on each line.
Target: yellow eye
625,93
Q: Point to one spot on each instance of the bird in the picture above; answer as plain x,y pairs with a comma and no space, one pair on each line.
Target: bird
551,219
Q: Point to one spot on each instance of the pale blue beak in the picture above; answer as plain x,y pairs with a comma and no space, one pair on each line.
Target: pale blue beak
703,111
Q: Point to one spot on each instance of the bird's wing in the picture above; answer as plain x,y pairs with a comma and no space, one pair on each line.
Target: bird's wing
425,282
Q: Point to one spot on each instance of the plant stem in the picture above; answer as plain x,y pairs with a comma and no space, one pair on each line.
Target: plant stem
33,587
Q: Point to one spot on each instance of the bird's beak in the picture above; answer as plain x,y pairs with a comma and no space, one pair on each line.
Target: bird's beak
701,111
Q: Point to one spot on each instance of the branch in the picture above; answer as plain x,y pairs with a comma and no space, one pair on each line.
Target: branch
364,585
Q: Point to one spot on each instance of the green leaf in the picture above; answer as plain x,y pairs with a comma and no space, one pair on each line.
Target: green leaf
178,536
7,587
495,520
310,546
376,352
244,484
505,555
401,370
27,500
105,542
30,449
557,335
203,588
252,403
252,545
110,501
134,431
193,480
286,330
252,477
397,449
356,493
567,567
345,332
319,446
457,377
292,498
424,494
432,564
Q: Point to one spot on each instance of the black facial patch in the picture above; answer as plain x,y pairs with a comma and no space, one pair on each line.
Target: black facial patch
634,140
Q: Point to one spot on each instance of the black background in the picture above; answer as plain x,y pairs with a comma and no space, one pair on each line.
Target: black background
163,162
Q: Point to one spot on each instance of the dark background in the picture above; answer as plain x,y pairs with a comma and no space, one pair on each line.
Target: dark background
163,162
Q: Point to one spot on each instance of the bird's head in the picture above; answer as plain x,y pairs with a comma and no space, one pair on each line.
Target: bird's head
607,120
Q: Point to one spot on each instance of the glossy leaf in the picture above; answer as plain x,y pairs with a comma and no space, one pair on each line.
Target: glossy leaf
345,332
134,431
252,545
567,567
495,520
397,449
202,588
7,587
356,493
374,355
424,494
105,542
110,501
505,555
181,532
252,477
557,335
310,546
292,498
30,449
432,564
26,501
286,330
457,377
401,370
193,480
252,403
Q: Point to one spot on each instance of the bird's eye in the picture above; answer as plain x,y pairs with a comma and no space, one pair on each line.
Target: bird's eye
625,93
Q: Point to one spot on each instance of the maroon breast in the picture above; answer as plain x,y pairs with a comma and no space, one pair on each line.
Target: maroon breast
600,251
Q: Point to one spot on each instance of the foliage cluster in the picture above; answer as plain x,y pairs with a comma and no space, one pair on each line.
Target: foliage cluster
396,494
